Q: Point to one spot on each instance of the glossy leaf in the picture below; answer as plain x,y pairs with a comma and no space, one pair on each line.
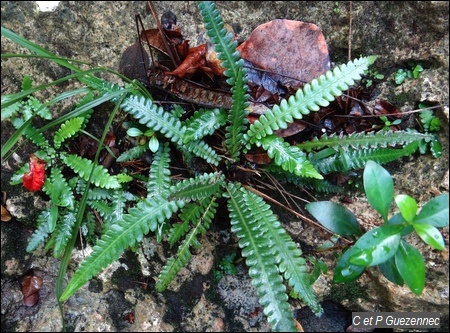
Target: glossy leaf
376,246
345,271
379,188
407,206
411,267
390,271
334,217
434,212
430,235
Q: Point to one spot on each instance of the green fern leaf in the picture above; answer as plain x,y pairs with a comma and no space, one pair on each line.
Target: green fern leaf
83,166
237,116
63,232
200,187
42,231
381,139
68,129
222,40
207,209
288,256
204,122
132,154
290,158
154,117
201,149
318,93
127,232
355,159
159,178
256,245
59,190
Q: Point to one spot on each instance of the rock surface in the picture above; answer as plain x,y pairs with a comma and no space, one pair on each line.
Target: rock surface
98,32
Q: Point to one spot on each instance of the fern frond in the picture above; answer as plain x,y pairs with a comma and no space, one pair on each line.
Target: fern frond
59,190
42,231
290,158
68,129
288,256
380,139
200,187
234,136
223,41
256,245
201,221
355,159
159,177
63,232
128,232
318,93
201,149
154,117
204,122
132,154
82,167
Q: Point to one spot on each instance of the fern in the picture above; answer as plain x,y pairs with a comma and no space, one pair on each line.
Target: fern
203,217
356,159
132,153
63,232
290,158
197,188
318,93
204,122
67,130
41,233
381,139
154,117
256,248
82,166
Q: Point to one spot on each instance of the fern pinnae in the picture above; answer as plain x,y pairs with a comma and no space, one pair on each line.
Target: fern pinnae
159,181
256,247
82,166
129,231
223,41
204,122
200,187
201,149
63,232
41,233
319,92
288,256
154,117
67,130
205,212
380,139
132,153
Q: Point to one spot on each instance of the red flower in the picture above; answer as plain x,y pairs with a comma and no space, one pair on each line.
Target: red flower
34,180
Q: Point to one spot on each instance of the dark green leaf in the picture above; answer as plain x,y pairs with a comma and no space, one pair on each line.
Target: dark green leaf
334,217
390,271
411,267
376,246
345,271
434,212
379,188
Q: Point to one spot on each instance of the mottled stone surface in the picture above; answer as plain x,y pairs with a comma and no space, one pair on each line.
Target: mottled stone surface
98,32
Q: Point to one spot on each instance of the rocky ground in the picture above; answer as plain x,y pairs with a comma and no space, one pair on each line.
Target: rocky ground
98,32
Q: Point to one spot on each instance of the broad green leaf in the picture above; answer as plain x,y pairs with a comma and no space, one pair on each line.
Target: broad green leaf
434,212
430,235
334,217
345,271
376,246
411,267
379,188
390,271
398,219
407,206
